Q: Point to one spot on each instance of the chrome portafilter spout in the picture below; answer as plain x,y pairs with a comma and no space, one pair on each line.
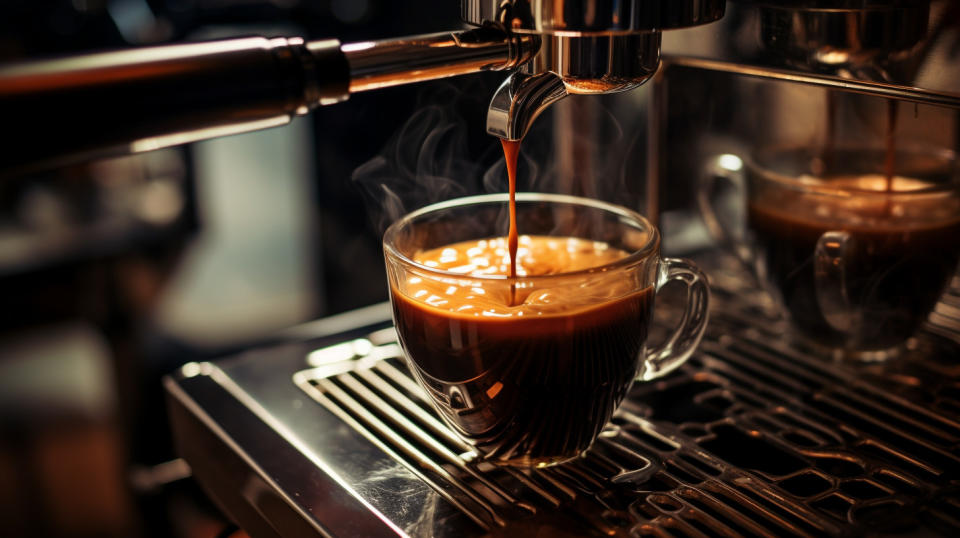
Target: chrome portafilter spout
519,100
571,65
585,47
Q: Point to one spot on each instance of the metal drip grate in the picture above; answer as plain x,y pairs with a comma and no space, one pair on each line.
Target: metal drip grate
751,437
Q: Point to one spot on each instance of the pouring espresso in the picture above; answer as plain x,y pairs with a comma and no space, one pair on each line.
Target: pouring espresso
511,151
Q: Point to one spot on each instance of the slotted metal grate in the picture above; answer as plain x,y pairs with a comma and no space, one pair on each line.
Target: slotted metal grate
751,437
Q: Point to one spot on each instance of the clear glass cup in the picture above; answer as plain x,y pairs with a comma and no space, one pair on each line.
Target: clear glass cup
534,384
854,261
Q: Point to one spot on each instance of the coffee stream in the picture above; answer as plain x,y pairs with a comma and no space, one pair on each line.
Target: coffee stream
511,150
890,160
890,140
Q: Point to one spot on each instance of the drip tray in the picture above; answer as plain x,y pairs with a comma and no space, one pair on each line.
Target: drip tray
751,437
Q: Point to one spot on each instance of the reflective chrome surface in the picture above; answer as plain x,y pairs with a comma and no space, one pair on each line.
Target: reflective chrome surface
380,64
751,437
135,100
519,100
716,68
594,47
588,17
903,42
175,94
65,109
564,65
863,87
599,64
842,35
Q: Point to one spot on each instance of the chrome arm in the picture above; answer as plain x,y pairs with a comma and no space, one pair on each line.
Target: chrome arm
75,108
380,64
61,110
900,92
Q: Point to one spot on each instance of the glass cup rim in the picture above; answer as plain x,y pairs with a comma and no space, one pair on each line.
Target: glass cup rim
767,174
638,255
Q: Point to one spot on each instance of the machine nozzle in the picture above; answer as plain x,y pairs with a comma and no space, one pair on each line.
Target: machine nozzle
519,100
585,47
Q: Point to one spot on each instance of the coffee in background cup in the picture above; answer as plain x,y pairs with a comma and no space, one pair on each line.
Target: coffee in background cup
856,259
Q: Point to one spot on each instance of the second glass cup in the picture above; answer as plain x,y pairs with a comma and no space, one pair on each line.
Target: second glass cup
529,370
856,260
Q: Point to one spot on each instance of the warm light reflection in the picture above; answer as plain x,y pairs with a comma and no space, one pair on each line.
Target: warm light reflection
356,47
175,139
730,162
504,297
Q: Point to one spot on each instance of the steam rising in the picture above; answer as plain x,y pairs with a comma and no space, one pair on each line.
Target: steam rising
428,160
443,152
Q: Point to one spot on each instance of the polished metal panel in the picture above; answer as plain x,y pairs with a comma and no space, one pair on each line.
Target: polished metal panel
753,436
592,17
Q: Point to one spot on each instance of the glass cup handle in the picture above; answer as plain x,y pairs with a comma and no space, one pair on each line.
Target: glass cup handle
729,168
830,279
682,343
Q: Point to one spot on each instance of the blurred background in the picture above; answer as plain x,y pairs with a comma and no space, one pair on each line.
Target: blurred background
114,273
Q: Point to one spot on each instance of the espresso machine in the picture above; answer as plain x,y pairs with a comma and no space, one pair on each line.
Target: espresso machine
325,433
149,98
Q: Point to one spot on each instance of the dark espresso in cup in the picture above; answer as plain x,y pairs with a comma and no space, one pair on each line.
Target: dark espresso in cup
527,365
900,248
526,376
